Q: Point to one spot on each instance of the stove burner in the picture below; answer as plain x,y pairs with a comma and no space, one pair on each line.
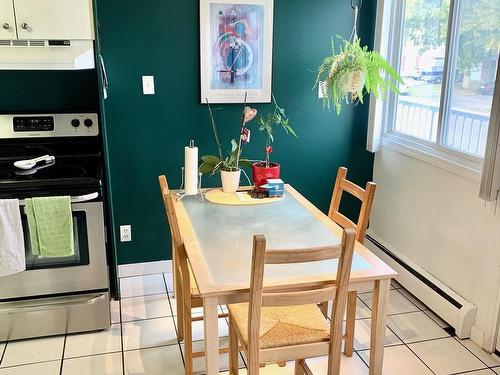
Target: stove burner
69,168
58,171
27,172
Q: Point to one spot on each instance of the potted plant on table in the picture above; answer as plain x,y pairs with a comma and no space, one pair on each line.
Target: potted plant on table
354,72
266,169
230,165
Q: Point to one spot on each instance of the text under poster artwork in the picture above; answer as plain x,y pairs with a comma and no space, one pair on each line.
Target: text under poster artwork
236,54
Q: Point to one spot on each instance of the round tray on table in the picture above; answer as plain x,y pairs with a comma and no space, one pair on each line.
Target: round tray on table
217,196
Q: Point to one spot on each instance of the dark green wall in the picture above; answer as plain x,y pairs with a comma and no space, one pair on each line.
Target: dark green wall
146,134
48,91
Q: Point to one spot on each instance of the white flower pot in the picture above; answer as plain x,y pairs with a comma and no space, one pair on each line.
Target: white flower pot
230,181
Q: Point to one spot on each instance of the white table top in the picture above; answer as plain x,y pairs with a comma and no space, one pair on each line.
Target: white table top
225,235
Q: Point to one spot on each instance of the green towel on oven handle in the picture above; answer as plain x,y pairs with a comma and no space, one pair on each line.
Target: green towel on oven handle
50,224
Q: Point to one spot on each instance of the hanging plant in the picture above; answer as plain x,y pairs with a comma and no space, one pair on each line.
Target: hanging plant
354,72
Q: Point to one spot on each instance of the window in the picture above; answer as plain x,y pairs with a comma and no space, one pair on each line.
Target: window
447,54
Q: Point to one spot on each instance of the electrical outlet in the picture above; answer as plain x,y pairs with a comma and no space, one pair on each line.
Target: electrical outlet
125,233
321,89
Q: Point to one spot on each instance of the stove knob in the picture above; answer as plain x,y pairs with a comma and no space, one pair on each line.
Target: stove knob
88,123
75,123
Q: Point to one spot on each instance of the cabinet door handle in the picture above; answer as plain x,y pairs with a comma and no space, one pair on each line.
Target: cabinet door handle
6,26
104,77
25,26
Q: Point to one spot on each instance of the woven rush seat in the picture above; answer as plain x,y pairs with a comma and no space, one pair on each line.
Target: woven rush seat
284,326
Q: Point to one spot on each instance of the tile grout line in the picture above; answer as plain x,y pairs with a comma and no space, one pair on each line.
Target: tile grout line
398,314
143,295
29,363
460,342
429,310
143,319
415,354
420,359
405,344
91,355
409,300
3,352
471,371
144,274
173,320
362,360
121,336
63,350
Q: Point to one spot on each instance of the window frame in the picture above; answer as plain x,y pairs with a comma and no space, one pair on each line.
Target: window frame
465,164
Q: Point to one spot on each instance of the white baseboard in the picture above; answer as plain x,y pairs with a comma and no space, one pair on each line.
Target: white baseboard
147,268
477,336
441,299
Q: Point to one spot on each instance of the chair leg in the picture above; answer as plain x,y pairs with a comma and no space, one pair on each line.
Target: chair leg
185,296
298,368
179,301
233,348
324,308
253,366
174,269
350,322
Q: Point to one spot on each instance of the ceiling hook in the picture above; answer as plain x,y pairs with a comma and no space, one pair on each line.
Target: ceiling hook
356,4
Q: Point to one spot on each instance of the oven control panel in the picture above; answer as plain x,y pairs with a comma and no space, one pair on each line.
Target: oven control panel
49,125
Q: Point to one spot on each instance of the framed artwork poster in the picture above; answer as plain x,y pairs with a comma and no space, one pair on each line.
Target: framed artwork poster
236,48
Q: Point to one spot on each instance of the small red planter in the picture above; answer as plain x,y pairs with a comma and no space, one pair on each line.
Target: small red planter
261,173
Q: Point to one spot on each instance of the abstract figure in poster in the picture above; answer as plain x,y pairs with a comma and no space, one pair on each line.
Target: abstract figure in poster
236,38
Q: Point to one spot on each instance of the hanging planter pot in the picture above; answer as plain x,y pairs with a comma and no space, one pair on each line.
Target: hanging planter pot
352,71
352,81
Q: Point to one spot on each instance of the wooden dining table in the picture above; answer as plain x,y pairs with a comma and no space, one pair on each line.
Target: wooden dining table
218,241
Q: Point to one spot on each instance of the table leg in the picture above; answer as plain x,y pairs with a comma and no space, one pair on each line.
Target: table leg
379,314
211,318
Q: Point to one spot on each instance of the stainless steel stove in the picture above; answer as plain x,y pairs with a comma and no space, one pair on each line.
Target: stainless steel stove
56,295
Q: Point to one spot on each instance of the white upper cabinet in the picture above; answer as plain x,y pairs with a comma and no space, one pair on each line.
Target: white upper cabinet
53,19
7,22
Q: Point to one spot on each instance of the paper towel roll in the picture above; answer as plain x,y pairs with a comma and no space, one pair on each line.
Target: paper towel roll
191,170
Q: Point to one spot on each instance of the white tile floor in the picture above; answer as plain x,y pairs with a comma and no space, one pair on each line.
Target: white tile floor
142,339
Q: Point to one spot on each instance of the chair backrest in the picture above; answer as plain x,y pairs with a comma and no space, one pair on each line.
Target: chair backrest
366,197
169,210
336,291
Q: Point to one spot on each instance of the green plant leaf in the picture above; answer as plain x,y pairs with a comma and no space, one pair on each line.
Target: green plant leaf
207,168
245,163
211,159
234,145
334,70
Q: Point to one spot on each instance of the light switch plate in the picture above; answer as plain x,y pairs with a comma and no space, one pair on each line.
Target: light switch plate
148,85
321,89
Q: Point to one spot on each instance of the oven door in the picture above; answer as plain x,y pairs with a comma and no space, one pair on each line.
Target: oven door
85,271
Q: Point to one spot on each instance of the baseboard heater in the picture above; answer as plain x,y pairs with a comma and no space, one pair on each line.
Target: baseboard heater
447,304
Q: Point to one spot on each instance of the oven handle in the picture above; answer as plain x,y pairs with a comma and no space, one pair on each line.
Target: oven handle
52,306
77,199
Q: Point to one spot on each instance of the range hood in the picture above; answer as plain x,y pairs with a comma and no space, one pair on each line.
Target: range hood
46,54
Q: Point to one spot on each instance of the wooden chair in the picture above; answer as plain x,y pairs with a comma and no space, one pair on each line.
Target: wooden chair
366,197
187,294
287,324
